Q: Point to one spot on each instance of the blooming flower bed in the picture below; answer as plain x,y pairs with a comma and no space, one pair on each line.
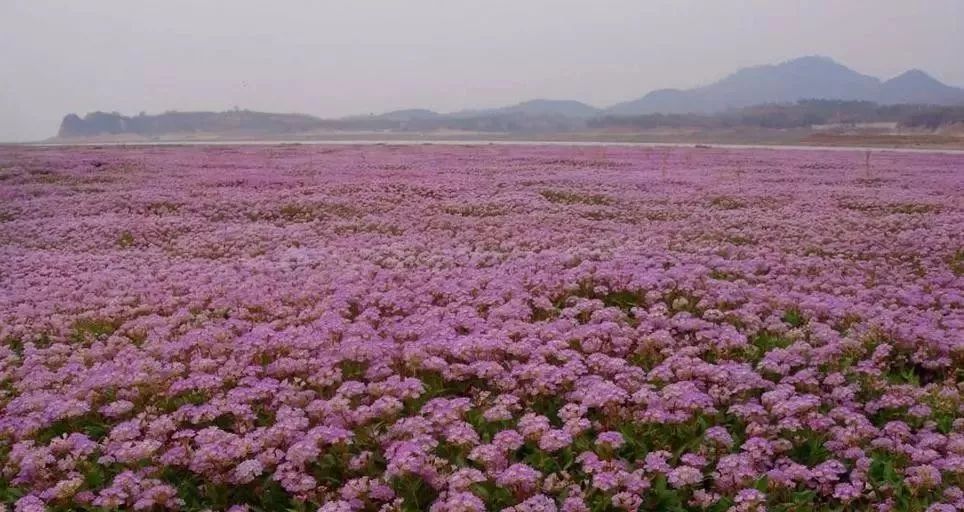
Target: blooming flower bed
468,328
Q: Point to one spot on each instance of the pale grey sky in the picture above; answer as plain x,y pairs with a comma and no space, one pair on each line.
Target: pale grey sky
335,58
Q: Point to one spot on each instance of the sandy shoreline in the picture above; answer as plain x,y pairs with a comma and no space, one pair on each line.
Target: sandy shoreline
482,142
793,138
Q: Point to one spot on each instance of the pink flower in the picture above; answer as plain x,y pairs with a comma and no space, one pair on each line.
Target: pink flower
656,462
922,477
519,476
704,499
627,501
443,315
574,504
537,503
458,502
336,506
29,503
248,470
508,440
611,440
554,440
682,476
532,426
749,500
718,435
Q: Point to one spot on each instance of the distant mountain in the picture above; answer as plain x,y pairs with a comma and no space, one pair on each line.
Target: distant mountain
532,108
536,108
541,107
791,81
785,84
411,114
524,118
916,86
828,114
230,122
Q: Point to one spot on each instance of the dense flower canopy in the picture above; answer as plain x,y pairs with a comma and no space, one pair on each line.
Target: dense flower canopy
447,328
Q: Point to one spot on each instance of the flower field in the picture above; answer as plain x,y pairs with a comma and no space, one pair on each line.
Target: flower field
449,328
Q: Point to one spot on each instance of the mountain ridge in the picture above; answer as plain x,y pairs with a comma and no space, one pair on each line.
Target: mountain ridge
804,78
809,77
812,77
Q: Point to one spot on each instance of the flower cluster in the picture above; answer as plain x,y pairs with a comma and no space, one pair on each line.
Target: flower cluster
447,328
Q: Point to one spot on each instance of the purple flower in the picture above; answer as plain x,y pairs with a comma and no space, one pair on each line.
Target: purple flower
656,462
922,477
682,476
610,440
519,476
429,314
554,440
29,503
248,470
508,440
458,502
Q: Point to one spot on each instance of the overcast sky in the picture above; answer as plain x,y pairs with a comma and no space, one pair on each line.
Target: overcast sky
335,58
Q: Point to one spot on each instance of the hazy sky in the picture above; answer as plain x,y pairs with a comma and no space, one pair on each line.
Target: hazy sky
335,58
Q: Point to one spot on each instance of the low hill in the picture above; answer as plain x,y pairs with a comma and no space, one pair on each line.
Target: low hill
234,121
542,107
801,114
916,86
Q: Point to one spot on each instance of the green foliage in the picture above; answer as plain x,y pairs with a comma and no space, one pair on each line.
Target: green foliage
957,263
435,385
416,494
125,239
163,207
172,403
495,496
353,370
810,450
739,239
476,210
8,493
794,317
486,429
722,275
623,300
760,345
767,341
331,467
727,203
541,315
93,328
677,438
262,494
885,477
913,208
15,344
90,424
661,497
903,375
848,321
798,501
549,407
567,197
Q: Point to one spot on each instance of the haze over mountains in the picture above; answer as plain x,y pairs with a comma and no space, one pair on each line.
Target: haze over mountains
803,78
785,83
788,82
